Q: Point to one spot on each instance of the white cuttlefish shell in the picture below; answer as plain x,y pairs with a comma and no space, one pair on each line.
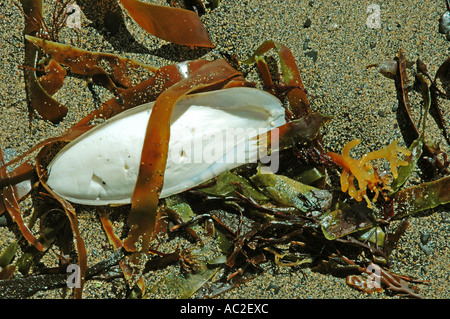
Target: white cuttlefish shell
210,134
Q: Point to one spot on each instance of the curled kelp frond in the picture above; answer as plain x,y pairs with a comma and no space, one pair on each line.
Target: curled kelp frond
363,170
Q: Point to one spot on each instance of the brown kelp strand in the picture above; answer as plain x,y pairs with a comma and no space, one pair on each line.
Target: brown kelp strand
404,111
10,198
175,25
144,92
296,95
39,100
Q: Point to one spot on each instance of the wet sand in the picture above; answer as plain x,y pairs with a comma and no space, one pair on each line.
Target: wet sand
332,45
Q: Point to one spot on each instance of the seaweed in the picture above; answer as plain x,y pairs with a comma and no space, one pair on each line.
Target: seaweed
411,131
175,25
421,197
91,64
292,85
288,192
364,172
38,99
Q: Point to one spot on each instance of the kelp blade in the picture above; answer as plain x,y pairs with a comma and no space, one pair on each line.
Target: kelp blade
228,183
289,192
416,147
54,78
144,92
421,197
347,220
171,24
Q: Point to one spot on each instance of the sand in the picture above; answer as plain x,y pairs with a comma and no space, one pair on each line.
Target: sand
332,45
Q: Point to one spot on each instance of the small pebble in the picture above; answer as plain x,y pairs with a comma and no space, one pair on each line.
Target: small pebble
3,221
381,113
426,249
424,238
388,68
444,23
312,54
333,27
306,44
307,23
274,287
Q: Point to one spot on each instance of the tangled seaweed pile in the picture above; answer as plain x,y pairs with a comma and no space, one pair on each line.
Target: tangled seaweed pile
294,217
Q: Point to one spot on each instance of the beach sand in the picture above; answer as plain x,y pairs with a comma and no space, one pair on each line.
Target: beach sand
332,45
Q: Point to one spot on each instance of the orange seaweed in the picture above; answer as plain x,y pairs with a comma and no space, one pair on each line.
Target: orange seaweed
364,172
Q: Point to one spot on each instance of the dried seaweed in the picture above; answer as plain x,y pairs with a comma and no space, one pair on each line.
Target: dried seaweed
288,192
416,147
185,285
92,64
8,254
298,100
404,111
347,220
228,183
109,229
171,24
38,98
54,76
392,281
144,92
21,179
11,204
23,287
